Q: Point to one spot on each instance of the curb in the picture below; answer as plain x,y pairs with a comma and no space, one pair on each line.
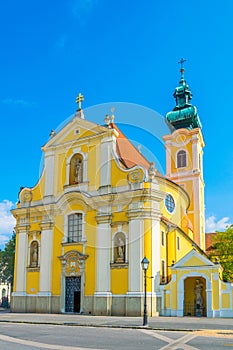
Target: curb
74,324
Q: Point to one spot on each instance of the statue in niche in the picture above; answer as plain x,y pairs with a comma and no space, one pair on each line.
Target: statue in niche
199,299
34,254
78,170
120,248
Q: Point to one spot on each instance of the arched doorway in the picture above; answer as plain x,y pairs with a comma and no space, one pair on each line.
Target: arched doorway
195,296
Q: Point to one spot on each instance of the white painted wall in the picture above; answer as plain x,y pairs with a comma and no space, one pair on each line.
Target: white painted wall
103,257
21,262
45,266
136,230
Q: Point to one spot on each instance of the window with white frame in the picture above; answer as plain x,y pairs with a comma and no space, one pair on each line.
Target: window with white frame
181,159
75,225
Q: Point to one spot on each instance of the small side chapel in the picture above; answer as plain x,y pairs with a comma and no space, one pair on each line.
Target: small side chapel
100,207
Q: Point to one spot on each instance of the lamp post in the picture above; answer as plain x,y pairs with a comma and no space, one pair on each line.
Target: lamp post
145,264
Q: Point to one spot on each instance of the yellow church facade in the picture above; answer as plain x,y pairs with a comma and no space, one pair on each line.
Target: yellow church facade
99,207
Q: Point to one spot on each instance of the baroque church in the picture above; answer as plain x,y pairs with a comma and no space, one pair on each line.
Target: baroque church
100,207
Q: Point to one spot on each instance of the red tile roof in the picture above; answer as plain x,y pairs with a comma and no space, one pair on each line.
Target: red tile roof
127,152
168,222
209,242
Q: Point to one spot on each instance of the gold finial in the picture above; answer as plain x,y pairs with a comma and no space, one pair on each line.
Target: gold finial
79,100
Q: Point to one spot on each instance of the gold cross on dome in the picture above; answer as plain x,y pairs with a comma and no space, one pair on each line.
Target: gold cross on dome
79,100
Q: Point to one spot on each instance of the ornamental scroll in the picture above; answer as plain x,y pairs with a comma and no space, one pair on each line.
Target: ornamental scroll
136,176
73,262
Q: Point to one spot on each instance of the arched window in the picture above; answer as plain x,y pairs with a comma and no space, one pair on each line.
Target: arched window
181,159
76,169
34,253
119,248
75,227
3,292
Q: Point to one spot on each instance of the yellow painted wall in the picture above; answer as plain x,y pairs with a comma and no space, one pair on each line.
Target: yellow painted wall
215,295
147,246
226,301
56,266
32,285
90,271
119,178
93,168
38,190
119,281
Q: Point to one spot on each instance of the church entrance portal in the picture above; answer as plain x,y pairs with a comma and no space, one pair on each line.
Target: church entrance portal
195,296
73,294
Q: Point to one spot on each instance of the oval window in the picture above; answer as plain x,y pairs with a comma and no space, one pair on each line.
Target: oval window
169,203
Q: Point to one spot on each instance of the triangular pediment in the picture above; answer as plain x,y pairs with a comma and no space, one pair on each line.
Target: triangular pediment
75,129
193,259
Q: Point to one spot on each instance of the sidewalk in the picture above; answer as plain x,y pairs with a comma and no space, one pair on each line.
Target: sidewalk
156,323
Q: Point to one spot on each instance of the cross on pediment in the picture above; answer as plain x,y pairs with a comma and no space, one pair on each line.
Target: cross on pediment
79,100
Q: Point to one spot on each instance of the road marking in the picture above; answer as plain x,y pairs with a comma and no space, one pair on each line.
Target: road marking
181,343
40,345
173,344
157,335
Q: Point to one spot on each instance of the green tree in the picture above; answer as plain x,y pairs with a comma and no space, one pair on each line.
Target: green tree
223,250
7,260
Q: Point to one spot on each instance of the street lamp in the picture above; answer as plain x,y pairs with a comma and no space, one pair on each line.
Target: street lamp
145,264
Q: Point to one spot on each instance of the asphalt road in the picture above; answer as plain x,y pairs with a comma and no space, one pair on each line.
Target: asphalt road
57,337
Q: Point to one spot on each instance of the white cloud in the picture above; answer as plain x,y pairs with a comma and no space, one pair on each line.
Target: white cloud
212,224
7,221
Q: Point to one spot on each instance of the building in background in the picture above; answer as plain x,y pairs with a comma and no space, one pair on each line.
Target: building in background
100,207
5,294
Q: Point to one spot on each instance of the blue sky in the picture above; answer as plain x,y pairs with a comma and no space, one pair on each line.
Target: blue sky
113,51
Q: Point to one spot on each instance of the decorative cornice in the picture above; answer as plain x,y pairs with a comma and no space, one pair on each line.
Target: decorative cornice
116,265
22,228
46,225
117,223
145,214
103,218
33,269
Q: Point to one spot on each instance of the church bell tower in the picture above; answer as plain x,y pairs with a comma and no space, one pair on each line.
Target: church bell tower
184,153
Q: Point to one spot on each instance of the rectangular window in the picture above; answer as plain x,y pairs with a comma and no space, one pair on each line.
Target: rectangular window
163,238
74,228
178,243
163,271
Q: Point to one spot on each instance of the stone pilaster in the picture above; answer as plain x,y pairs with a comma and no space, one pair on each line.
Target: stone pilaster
103,296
